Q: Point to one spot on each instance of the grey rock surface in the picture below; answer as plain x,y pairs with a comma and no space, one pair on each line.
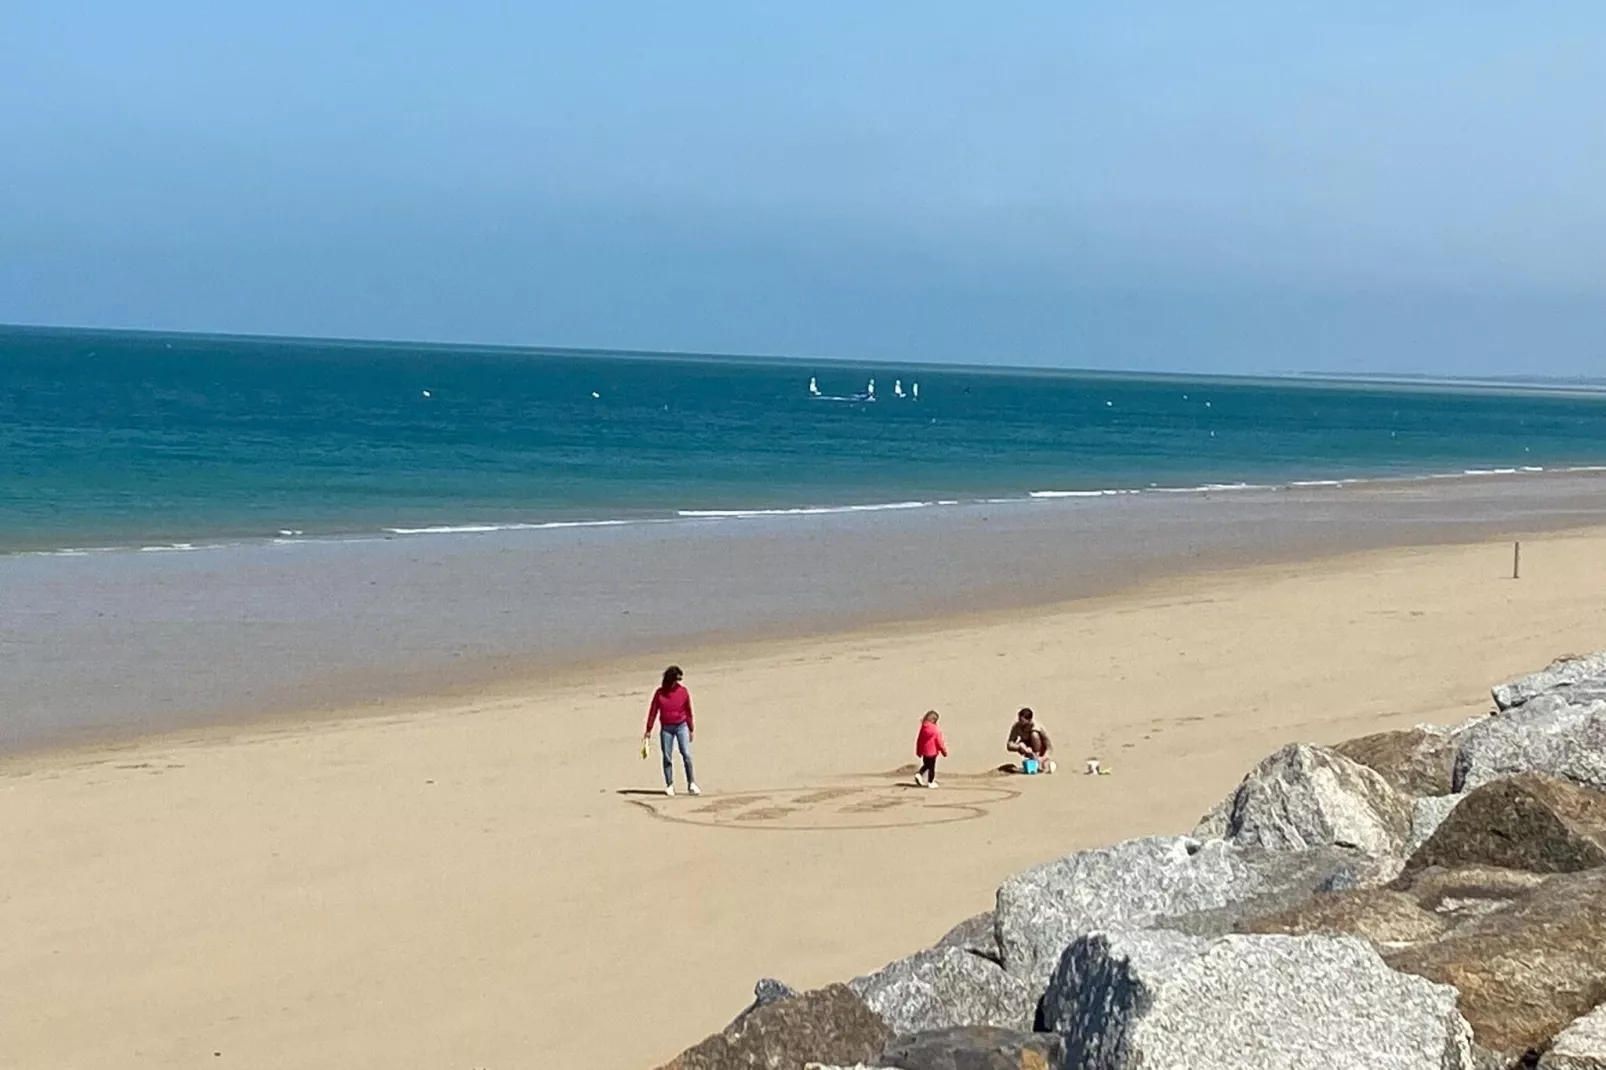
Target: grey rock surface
1279,881
1309,796
1581,1046
1427,813
944,987
1165,1001
1560,675
977,934
1206,886
1545,735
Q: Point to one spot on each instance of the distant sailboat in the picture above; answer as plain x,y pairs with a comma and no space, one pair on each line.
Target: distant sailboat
914,391
897,388
814,387
869,391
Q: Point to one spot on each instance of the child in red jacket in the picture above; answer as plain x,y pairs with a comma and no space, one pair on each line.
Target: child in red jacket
929,744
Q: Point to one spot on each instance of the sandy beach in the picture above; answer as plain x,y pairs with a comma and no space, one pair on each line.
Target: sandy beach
488,882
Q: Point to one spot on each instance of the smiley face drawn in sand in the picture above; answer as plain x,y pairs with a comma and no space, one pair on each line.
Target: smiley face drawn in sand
832,809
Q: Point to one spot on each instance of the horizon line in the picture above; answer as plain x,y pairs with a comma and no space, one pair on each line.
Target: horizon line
1532,384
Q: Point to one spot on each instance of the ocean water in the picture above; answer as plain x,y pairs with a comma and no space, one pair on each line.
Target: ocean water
139,439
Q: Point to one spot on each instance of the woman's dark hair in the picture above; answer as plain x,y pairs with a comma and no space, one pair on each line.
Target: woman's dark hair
672,676
1025,713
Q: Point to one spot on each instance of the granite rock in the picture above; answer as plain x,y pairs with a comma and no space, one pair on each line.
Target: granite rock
977,934
1141,883
1526,968
1544,735
1166,1001
1415,761
1581,1046
829,1025
1530,822
946,987
1309,796
1562,675
1427,814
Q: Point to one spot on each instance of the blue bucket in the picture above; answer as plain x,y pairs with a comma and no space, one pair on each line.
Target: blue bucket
1029,766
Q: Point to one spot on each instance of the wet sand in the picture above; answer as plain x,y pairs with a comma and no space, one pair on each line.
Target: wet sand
490,881
123,644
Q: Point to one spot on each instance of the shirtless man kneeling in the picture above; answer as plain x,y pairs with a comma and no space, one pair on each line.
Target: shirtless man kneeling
1029,740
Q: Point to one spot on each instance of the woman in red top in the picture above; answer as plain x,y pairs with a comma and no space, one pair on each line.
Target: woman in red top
929,744
671,708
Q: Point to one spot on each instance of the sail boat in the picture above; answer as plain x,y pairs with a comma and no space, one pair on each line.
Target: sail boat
916,388
814,387
897,388
869,391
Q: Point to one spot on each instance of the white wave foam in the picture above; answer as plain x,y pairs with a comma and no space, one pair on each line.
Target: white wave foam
1082,493
808,510
480,529
1210,488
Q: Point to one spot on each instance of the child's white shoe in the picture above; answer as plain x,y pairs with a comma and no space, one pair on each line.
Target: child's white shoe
669,789
694,789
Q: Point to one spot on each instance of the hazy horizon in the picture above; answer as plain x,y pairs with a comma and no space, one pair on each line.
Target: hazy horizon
1252,191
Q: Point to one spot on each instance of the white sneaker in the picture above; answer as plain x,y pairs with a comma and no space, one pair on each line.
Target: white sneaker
933,784
694,789
920,781
669,789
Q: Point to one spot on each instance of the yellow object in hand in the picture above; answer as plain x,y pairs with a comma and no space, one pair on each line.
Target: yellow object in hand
644,749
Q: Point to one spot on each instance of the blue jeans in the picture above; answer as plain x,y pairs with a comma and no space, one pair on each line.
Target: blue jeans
669,737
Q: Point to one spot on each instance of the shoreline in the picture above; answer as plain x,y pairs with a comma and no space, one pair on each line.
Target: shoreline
385,684
475,883
225,540
712,652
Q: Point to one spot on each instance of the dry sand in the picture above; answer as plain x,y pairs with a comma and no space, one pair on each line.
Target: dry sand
472,886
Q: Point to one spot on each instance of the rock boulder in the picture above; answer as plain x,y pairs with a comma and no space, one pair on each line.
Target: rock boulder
1415,761
1427,813
768,990
1379,915
1581,1046
1141,883
1526,968
1308,796
978,935
1530,822
1165,1001
830,1025
946,987
1545,735
1562,675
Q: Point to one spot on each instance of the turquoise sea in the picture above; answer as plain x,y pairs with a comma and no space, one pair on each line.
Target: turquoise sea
121,438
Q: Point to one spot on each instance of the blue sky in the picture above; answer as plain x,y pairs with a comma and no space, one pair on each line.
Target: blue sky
1252,186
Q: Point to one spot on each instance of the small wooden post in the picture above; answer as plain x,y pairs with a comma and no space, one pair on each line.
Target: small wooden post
1516,560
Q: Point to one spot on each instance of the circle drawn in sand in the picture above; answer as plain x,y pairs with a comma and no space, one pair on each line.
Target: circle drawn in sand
877,806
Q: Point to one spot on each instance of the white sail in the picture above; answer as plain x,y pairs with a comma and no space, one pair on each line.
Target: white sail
814,387
869,391
897,388
916,388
